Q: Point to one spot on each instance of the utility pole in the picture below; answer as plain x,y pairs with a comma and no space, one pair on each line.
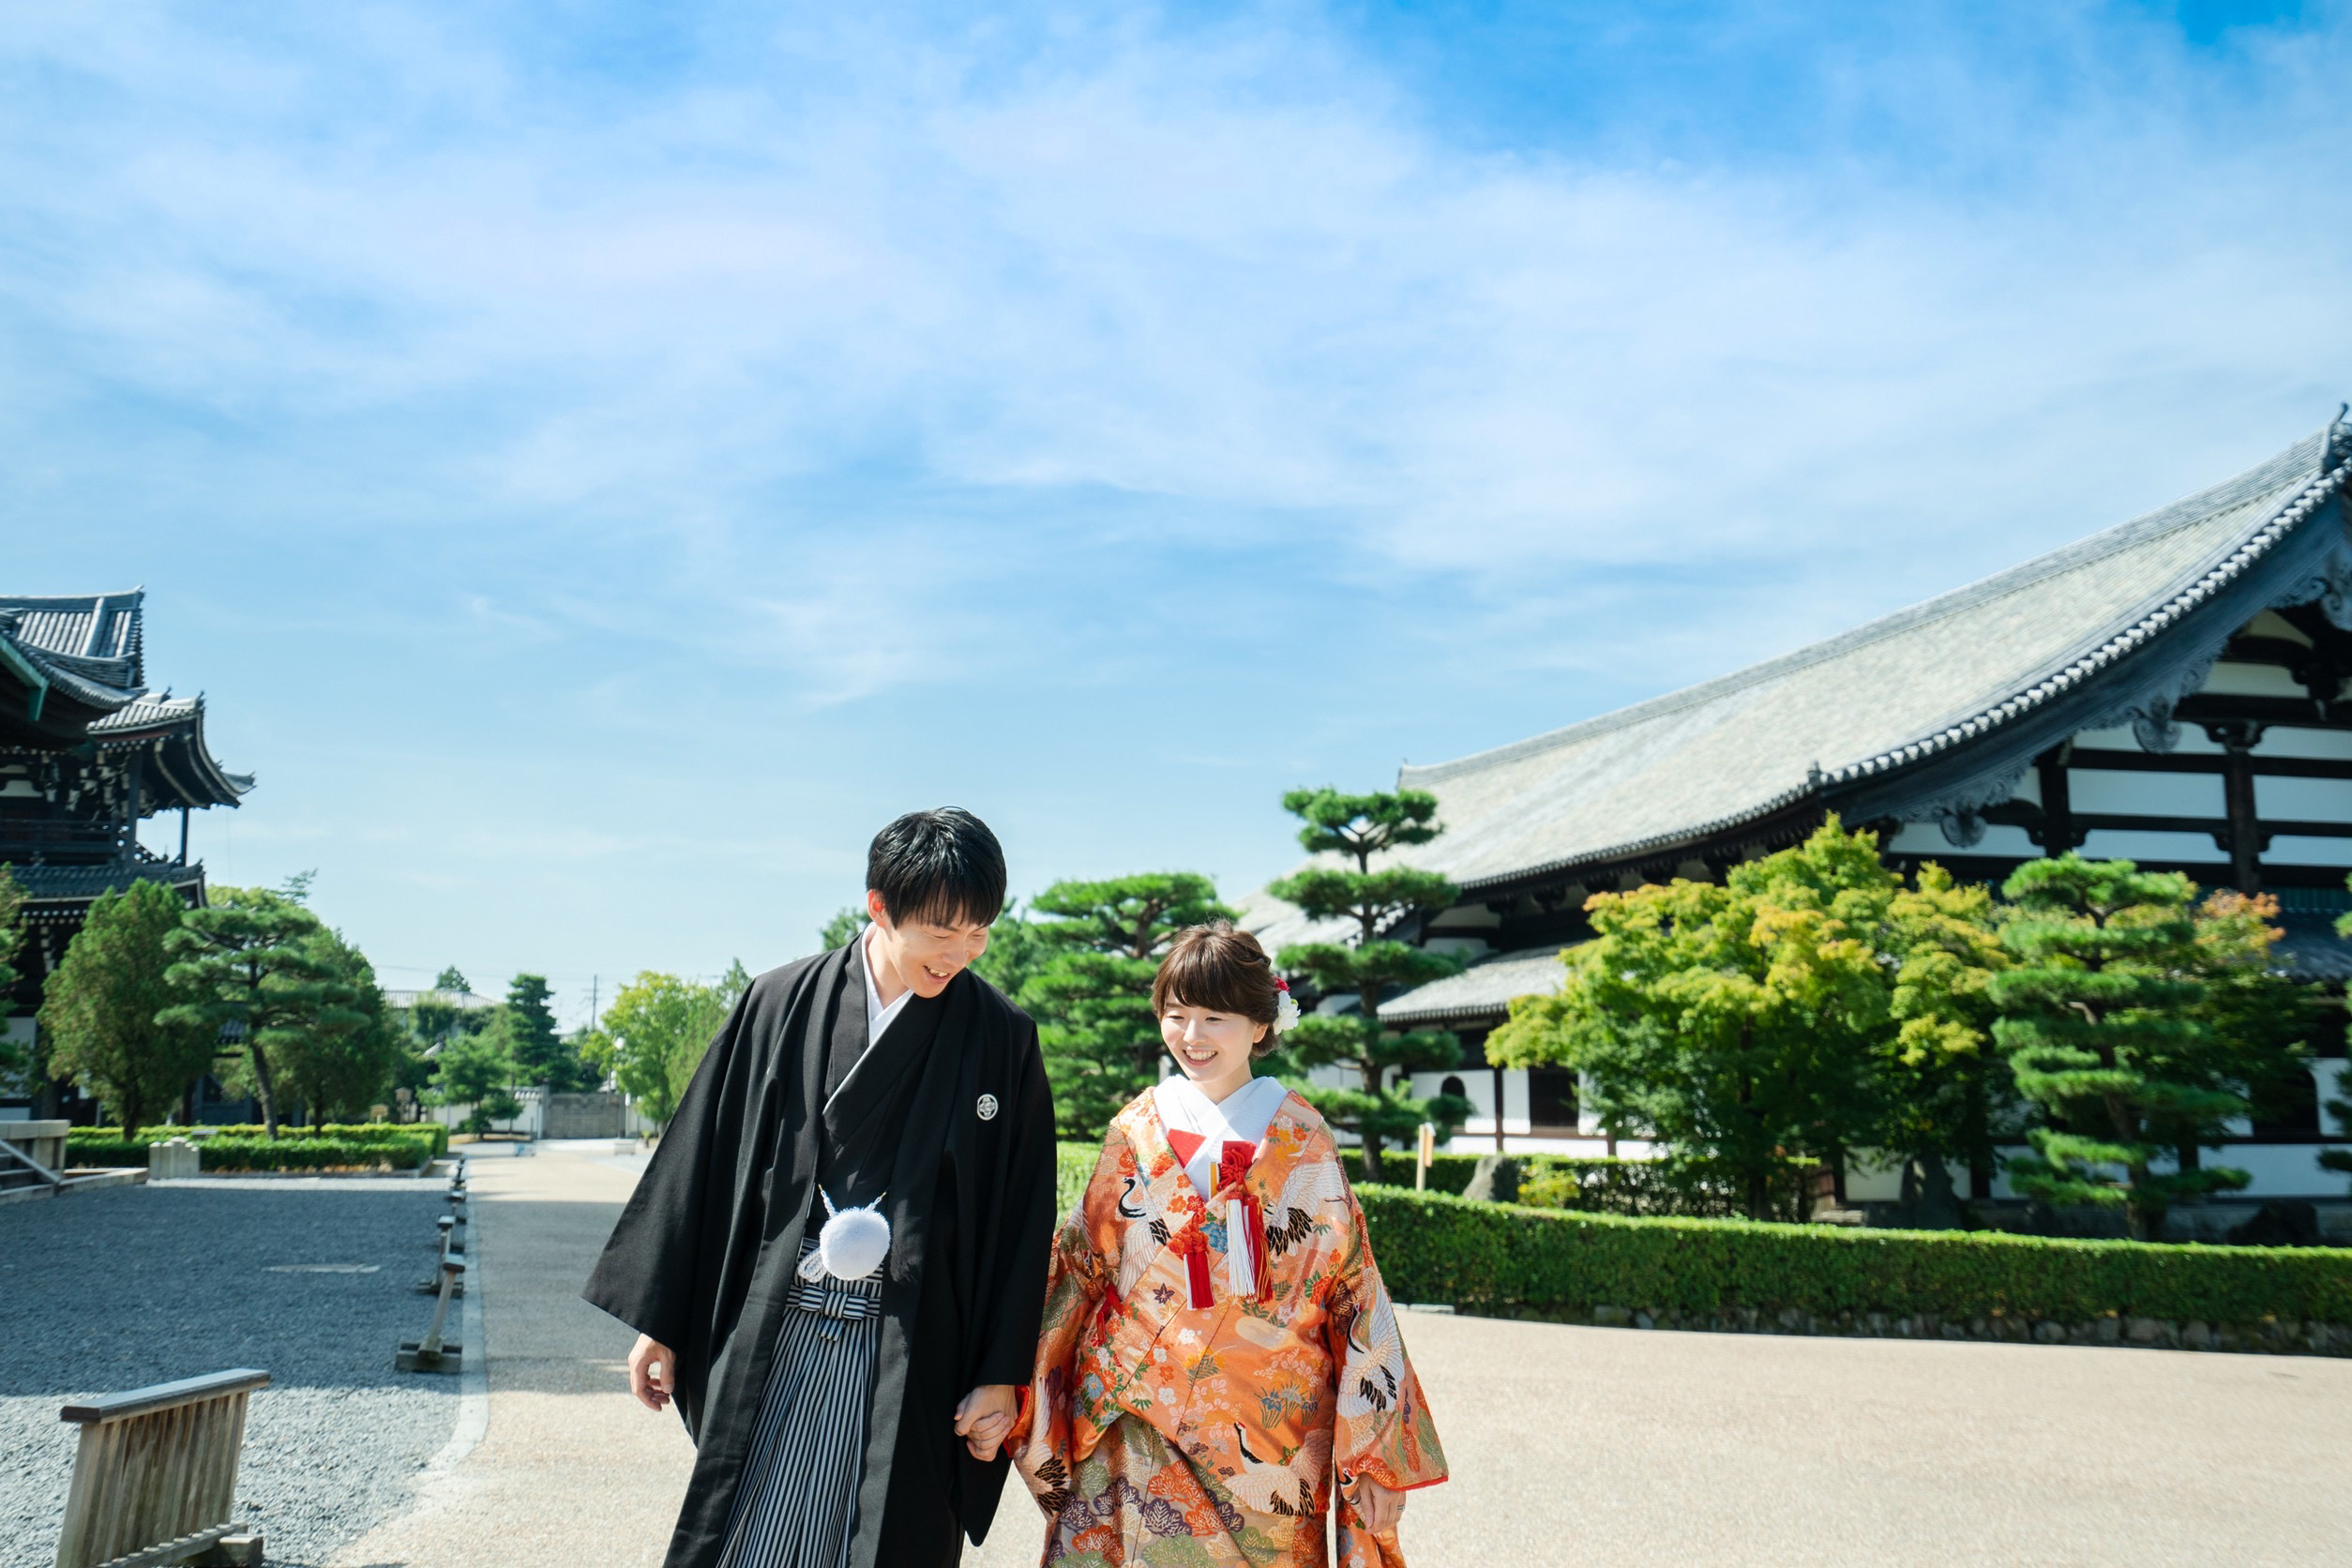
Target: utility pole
592,1000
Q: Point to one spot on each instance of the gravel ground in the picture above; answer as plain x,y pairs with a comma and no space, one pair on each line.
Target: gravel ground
102,1291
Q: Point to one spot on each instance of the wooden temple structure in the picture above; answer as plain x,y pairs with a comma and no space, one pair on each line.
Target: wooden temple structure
2173,690
89,754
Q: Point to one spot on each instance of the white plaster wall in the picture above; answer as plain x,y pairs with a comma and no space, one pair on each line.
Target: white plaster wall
2147,795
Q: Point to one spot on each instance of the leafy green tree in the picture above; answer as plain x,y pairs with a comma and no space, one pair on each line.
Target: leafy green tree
452,979
2099,1018
1361,828
345,1063
1737,1022
1100,945
100,1006
14,1062
1944,1090
842,929
660,1025
478,1070
249,964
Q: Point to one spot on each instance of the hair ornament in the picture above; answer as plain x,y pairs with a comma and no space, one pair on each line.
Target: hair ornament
1285,1017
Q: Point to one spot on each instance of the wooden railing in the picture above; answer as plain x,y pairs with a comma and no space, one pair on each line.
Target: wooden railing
155,1478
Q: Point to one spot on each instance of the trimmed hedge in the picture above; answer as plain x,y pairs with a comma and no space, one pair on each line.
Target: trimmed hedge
400,1134
1505,1259
404,1149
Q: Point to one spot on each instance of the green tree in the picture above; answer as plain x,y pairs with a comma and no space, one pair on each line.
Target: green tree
1099,948
1015,953
345,1063
452,979
660,1025
2258,1021
478,1070
1944,1091
842,929
1736,1022
100,1006
1361,828
540,1053
249,963
2099,1018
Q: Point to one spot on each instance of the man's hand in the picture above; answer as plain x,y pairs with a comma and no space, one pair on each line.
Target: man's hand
1376,1505
985,1419
652,1372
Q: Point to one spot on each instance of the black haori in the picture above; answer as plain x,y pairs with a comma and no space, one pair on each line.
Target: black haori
948,1114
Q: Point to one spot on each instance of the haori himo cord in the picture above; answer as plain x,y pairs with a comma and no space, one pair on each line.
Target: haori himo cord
835,1259
1219,1356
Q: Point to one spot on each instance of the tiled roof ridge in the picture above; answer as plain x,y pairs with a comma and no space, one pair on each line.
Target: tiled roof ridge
2279,522
2267,476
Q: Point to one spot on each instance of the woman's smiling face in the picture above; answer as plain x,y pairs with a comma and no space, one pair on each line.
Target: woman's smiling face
1213,1047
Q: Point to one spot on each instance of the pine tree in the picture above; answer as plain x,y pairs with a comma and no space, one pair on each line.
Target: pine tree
100,1006
540,1053
1101,944
2098,1021
452,980
1361,828
841,929
248,964
478,1070
345,1061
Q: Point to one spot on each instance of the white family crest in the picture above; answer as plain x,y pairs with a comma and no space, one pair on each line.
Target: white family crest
987,1107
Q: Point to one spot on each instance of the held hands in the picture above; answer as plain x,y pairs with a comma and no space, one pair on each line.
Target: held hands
1376,1505
985,1419
652,1372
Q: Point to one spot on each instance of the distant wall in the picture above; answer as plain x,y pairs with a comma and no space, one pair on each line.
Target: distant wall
583,1116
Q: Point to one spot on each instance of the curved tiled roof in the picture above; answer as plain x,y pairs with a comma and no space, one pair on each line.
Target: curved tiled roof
1927,680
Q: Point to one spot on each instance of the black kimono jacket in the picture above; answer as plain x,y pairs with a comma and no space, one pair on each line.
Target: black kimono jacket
952,1104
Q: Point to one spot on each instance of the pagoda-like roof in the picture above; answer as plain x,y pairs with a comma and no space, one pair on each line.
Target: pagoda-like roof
1935,708
76,664
180,767
66,662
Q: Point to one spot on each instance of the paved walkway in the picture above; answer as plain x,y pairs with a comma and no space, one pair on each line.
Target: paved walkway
1569,1446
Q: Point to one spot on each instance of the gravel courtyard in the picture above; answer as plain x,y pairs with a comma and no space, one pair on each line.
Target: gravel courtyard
308,1279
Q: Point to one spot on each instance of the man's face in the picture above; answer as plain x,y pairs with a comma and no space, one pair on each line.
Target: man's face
923,954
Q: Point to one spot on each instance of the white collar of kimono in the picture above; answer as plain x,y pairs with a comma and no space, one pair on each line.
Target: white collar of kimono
877,1015
1241,1118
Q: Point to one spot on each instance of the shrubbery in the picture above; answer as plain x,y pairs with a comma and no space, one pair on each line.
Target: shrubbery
1600,1185
1493,1257
402,1146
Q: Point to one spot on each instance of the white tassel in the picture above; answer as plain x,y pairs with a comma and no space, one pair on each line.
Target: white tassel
852,1245
1237,1265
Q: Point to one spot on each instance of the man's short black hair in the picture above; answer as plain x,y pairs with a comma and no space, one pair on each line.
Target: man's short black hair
942,867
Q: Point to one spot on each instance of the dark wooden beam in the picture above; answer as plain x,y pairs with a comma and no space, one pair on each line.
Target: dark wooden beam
2211,762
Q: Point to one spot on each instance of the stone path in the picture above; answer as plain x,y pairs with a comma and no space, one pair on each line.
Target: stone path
1569,1446
309,1278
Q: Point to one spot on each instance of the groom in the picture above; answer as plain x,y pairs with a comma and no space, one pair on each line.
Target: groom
845,1419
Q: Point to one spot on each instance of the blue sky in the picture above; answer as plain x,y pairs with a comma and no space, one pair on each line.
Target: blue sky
602,461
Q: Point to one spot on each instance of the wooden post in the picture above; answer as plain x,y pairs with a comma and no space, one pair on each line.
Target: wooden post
1423,1152
1498,1072
155,1479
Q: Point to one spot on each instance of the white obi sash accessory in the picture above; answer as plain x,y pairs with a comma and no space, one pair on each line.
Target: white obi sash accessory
1206,1134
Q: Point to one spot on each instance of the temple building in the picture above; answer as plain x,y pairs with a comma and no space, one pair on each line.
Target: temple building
2172,691
87,755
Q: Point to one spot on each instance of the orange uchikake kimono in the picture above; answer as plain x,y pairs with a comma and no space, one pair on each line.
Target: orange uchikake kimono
1175,1422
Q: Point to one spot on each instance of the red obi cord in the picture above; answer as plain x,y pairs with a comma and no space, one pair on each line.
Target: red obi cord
1194,1245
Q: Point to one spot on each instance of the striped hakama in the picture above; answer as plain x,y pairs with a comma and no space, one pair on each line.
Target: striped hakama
797,1503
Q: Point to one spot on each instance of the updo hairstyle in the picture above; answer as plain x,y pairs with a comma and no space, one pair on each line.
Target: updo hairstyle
1224,970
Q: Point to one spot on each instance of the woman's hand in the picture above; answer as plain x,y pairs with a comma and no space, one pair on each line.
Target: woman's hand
984,1418
1376,1505
652,1372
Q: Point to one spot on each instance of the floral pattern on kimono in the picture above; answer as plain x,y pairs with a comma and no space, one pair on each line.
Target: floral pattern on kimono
1162,1432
